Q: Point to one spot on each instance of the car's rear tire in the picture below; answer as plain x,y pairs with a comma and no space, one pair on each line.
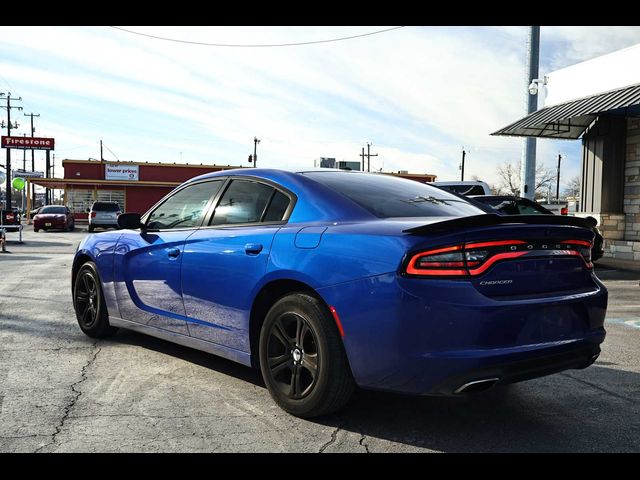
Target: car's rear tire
89,304
302,358
36,230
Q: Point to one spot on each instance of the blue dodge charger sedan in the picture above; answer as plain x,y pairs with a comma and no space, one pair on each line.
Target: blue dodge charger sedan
328,280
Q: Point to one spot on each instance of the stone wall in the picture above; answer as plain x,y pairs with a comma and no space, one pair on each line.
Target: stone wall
632,181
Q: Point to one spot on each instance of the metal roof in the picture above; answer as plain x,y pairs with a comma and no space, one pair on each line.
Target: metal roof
571,119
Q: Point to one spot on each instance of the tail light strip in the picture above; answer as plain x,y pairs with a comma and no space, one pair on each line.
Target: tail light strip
472,259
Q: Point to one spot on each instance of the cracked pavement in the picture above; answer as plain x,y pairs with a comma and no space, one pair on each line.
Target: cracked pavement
61,391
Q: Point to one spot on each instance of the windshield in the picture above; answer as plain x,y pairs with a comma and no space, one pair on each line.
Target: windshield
386,196
105,207
59,210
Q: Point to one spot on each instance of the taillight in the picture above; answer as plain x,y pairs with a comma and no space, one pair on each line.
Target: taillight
564,211
474,258
93,214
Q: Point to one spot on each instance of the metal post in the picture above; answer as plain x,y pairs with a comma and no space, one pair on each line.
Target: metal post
464,154
528,170
7,195
558,180
46,174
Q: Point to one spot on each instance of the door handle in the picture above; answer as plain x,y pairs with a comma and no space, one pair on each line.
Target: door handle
253,248
173,252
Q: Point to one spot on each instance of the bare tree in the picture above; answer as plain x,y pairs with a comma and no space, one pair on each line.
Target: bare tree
509,179
573,187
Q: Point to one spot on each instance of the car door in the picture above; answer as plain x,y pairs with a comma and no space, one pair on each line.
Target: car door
224,260
147,262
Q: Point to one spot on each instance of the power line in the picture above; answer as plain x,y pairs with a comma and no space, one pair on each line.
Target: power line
105,146
256,45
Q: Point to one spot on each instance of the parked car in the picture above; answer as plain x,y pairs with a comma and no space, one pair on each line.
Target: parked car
10,220
104,215
54,217
512,205
328,280
467,187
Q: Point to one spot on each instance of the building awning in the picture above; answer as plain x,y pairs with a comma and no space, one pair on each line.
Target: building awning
569,120
90,183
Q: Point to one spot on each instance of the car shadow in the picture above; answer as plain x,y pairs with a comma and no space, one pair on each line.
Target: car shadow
592,410
203,359
595,409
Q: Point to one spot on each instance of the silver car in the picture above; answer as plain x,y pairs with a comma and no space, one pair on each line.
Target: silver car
104,215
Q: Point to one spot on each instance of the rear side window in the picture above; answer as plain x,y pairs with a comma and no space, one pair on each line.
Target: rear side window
277,208
105,207
243,202
387,197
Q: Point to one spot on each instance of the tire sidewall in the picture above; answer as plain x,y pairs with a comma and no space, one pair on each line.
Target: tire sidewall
91,269
310,310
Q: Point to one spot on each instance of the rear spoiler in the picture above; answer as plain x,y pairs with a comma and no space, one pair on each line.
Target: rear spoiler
490,219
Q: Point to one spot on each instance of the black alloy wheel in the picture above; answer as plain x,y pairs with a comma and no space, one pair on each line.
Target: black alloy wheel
302,358
88,301
293,355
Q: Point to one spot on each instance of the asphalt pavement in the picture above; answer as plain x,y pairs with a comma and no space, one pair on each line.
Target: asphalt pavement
61,391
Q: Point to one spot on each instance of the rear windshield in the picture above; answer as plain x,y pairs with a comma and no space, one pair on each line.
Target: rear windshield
53,210
105,207
387,197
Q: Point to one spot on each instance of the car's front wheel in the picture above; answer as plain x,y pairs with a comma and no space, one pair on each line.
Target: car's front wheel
89,304
302,358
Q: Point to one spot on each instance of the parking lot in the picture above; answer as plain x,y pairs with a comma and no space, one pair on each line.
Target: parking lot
61,391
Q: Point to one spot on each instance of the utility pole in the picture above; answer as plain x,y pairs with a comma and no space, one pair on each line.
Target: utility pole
464,154
8,164
101,156
558,180
362,155
33,162
47,167
256,141
528,171
369,155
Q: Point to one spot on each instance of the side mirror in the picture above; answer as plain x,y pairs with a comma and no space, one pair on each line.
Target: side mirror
130,221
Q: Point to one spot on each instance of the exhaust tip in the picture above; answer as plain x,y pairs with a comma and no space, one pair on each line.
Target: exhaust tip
477,386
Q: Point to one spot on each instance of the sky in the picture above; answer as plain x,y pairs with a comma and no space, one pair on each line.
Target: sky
417,94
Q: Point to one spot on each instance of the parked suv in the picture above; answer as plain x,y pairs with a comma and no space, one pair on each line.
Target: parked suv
104,215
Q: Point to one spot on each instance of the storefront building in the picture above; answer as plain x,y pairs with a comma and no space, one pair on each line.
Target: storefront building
598,101
135,186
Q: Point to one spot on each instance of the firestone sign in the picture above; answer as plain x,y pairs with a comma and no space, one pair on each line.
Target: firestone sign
113,171
36,143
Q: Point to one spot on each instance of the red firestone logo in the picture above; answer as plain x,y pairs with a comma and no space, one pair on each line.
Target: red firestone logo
38,143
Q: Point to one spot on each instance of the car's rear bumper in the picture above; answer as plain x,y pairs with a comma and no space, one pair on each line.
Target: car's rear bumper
104,223
510,366
434,339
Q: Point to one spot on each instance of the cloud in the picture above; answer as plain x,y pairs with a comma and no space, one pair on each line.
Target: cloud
420,94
